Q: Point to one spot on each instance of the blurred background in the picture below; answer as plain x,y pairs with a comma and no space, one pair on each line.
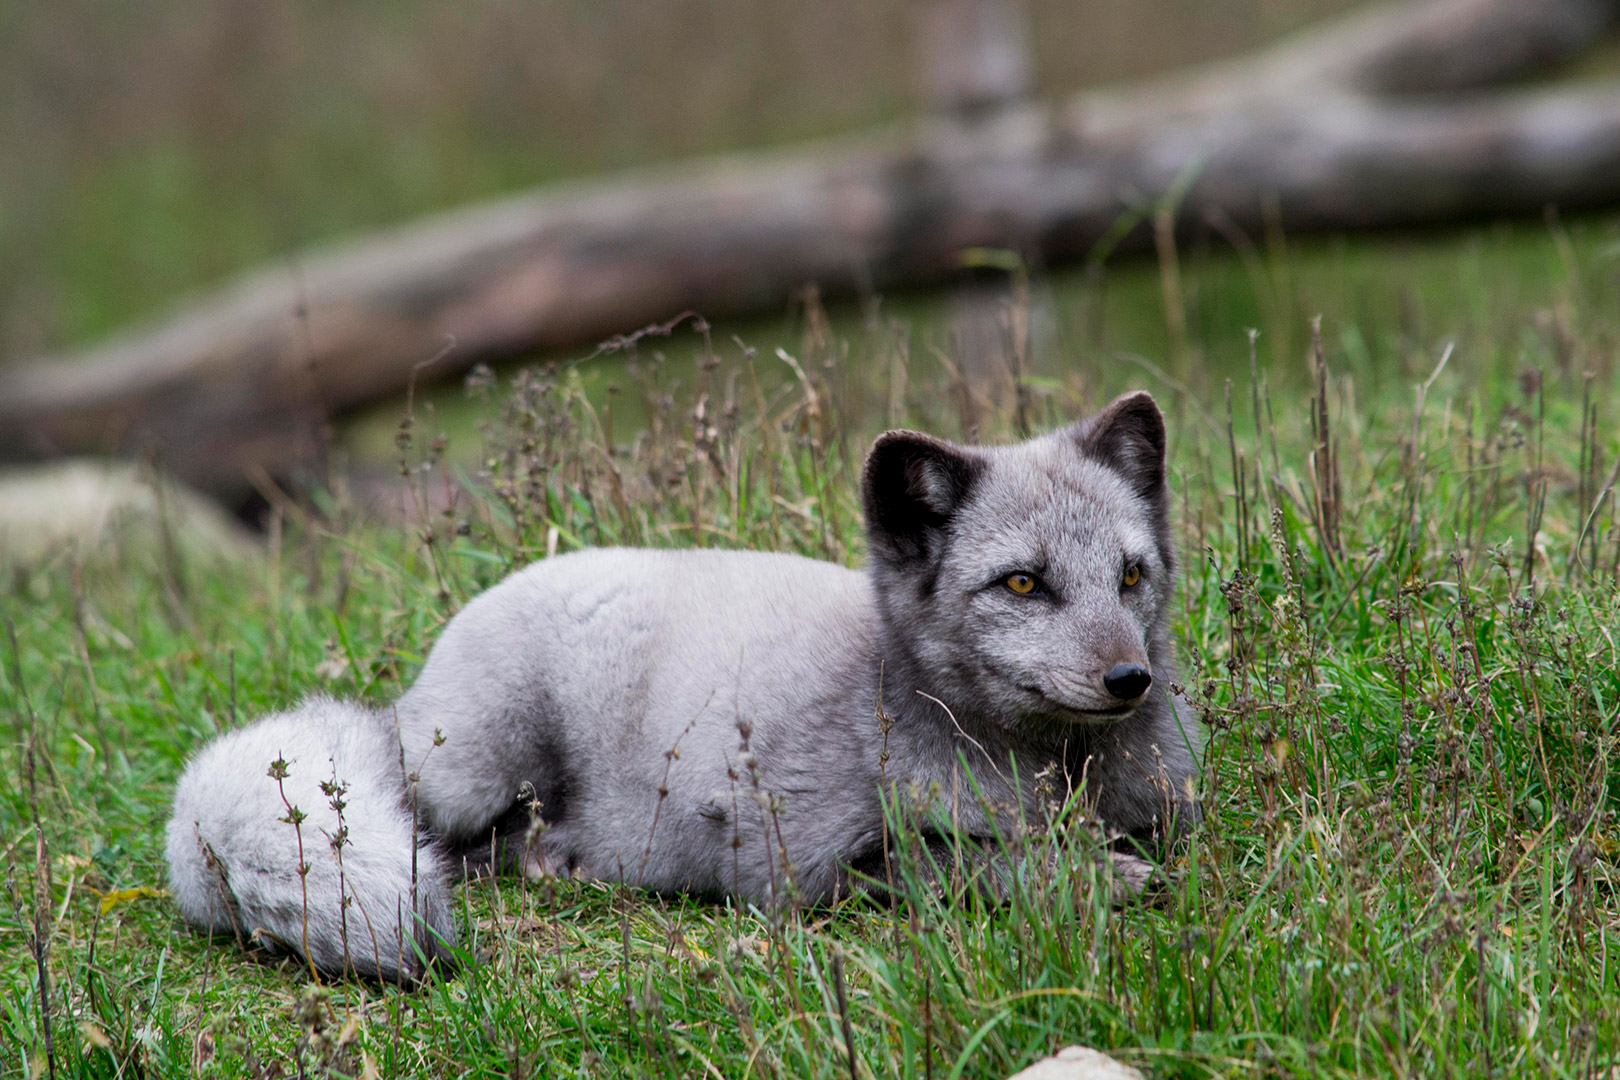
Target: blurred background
150,149
150,153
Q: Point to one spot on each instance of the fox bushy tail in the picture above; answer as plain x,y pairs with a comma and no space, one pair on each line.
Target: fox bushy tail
322,788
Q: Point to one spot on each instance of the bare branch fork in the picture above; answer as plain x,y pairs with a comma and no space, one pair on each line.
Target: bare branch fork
1393,116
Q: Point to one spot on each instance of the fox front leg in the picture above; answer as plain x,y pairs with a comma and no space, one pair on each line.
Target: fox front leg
952,869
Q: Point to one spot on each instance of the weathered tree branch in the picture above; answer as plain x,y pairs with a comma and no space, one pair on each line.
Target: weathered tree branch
1463,44
1391,48
217,389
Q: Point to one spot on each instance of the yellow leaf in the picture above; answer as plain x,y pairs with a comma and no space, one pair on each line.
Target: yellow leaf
120,897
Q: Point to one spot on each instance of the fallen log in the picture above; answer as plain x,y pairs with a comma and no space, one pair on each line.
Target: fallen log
1359,124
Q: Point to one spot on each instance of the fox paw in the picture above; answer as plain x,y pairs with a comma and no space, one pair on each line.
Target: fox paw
1131,877
539,865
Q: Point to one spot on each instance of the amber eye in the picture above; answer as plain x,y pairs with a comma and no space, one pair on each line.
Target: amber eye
1022,584
1132,575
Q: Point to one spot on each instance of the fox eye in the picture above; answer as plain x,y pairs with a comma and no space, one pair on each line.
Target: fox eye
1133,574
1022,584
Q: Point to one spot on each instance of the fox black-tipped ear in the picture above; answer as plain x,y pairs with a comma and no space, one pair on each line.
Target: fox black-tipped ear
911,486
1128,436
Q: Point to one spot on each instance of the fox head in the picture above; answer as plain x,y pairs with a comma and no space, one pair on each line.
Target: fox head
1028,584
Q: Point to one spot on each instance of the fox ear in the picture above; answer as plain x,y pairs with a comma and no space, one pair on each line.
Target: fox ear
1128,436
911,486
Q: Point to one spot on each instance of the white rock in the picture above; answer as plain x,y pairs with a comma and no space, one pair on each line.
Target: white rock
88,505
1078,1063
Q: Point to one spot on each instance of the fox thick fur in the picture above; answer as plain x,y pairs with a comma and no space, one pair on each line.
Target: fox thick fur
643,716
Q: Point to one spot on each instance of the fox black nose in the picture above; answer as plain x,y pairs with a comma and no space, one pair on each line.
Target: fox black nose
1127,681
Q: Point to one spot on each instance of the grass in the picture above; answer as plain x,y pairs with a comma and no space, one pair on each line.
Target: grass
1396,622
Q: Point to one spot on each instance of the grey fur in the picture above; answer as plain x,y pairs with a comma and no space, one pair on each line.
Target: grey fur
559,694
233,859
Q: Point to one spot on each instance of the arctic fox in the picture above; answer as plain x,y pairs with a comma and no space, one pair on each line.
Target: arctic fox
724,723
